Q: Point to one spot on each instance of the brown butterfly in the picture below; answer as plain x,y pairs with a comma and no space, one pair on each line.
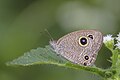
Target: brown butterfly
80,47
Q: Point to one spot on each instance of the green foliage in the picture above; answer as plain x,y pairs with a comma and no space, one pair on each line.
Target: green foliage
39,56
45,56
48,56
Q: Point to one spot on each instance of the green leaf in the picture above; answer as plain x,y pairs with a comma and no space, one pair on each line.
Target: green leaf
114,57
118,67
48,56
39,56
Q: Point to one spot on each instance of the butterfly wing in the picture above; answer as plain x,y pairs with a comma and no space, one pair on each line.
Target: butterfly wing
69,46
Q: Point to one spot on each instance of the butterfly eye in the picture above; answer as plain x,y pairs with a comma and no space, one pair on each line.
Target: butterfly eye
90,36
83,41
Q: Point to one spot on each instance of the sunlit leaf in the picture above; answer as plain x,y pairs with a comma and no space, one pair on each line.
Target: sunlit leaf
39,56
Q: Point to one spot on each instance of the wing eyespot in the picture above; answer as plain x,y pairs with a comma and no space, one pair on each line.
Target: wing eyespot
83,41
90,36
86,57
85,64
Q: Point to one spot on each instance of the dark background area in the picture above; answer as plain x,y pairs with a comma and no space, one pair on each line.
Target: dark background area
23,24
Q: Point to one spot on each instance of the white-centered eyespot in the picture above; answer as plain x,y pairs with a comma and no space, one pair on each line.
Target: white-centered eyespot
83,41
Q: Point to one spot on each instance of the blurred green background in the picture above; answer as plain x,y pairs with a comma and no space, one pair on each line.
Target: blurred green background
23,24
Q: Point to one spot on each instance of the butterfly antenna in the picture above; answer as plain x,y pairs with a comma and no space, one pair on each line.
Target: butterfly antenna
49,35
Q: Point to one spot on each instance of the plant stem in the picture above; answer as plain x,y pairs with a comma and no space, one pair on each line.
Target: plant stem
103,73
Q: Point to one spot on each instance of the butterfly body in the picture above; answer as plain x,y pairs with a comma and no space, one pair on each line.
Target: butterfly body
80,47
